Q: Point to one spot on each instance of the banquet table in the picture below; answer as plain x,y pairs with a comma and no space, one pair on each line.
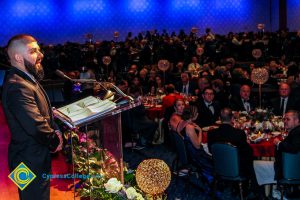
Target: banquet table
154,112
263,148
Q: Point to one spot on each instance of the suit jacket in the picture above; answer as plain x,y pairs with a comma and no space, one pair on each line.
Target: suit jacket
291,144
191,89
237,137
30,120
290,105
236,104
205,116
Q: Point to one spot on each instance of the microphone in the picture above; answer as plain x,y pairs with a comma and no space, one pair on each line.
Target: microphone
62,75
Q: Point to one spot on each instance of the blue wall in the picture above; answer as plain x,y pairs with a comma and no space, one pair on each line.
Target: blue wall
293,16
57,21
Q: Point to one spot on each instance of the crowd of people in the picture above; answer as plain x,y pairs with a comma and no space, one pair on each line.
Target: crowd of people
215,69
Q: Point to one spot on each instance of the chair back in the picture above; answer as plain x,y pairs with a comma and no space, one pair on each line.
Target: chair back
180,148
226,160
290,166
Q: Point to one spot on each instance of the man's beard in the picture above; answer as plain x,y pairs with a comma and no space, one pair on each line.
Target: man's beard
36,70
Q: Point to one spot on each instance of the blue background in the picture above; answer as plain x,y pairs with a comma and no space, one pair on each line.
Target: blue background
58,21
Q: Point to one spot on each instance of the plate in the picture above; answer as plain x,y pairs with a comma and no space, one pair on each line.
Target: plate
256,138
276,133
207,128
218,122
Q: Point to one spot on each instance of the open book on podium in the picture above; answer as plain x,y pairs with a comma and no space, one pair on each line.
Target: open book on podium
84,111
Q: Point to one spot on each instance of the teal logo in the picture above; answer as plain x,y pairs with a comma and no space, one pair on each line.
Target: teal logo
22,176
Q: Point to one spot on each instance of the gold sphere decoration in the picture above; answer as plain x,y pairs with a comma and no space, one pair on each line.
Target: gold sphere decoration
153,176
259,75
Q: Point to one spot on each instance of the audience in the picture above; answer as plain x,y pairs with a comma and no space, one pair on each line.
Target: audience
291,144
208,108
284,101
243,102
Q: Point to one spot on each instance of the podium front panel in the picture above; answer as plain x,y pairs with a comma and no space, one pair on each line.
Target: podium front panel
112,138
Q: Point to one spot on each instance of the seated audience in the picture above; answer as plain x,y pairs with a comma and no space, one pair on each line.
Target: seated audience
192,134
227,133
185,86
208,108
220,94
285,101
243,102
291,144
171,96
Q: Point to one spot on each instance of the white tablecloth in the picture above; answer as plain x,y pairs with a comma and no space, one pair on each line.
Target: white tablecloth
264,171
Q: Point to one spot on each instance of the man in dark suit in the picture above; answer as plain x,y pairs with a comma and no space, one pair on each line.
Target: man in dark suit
185,86
243,102
29,116
285,101
227,133
291,144
208,108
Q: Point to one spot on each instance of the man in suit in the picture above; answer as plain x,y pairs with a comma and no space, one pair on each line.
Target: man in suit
291,143
227,133
243,102
185,86
208,108
285,101
29,116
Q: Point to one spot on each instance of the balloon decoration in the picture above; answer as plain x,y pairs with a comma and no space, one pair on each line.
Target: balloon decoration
116,34
106,60
194,30
259,76
153,176
199,51
256,53
163,65
260,26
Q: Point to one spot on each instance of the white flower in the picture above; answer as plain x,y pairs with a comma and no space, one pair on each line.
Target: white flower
131,193
113,185
258,126
139,197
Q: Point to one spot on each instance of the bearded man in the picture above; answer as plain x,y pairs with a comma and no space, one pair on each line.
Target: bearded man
29,116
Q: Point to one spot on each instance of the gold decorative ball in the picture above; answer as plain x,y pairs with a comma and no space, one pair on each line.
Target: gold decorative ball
259,75
153,176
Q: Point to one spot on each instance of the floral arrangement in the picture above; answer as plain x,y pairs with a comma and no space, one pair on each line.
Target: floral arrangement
102,169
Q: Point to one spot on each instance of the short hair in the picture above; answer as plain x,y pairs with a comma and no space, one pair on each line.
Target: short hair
295,113
21,38
208,88
226,114
170,88
16,40
218,83
186,114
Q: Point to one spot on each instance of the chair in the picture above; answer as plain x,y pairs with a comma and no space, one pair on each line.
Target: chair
290,169
226,164
181,154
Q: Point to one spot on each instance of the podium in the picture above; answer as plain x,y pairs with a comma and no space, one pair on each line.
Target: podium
108,124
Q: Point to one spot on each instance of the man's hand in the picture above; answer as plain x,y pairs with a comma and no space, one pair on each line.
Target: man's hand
59,135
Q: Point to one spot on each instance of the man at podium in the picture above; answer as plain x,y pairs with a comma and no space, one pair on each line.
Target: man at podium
29,116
